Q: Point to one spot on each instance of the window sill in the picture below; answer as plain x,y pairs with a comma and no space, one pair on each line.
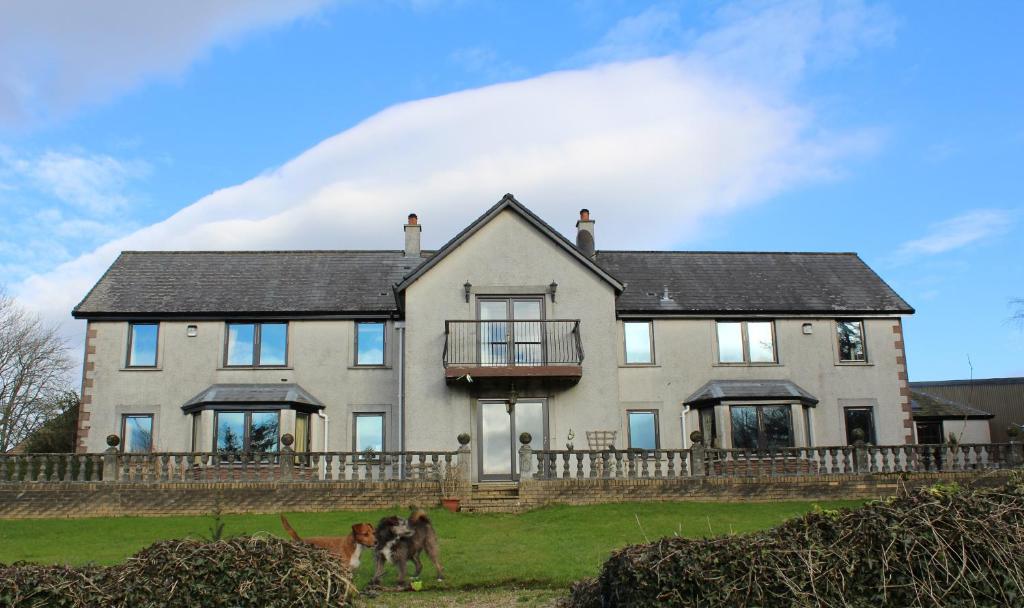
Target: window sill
370,367
141,369
720,364
640,365
250,368
854,364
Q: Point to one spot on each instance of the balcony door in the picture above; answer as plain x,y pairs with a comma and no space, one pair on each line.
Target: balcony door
501,423
511,332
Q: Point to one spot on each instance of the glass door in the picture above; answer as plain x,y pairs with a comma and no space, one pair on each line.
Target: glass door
511,331
500,426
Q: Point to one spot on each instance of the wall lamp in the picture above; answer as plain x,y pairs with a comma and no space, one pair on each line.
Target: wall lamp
467,286
552,289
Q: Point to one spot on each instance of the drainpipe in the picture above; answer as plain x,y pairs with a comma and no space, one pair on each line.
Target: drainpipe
400,327
682,424
323,463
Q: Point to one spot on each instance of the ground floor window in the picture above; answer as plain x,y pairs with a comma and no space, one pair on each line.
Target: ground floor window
241,431
137,433
301,432
368,432
761,427
643,429
859,419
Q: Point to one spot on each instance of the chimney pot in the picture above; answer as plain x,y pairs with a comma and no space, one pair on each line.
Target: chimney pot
412,237
585,234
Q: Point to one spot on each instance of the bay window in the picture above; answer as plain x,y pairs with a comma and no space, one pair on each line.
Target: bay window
246,431
761,427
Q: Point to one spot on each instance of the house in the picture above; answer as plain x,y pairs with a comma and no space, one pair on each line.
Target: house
936,419
508,328
1003,398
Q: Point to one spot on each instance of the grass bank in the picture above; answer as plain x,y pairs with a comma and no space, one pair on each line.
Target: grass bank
546,548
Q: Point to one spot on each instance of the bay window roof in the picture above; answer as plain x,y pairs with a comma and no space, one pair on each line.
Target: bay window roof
715,392
255,396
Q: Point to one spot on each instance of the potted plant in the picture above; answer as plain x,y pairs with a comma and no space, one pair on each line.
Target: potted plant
451,486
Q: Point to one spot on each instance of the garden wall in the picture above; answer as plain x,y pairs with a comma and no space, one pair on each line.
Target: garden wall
77,499
533,494
73,499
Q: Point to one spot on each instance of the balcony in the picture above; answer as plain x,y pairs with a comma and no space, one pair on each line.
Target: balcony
512,350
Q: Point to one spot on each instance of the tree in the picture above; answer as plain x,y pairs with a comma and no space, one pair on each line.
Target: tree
57,435
34,366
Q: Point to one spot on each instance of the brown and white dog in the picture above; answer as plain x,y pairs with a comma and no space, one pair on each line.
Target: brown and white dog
347,548
400,540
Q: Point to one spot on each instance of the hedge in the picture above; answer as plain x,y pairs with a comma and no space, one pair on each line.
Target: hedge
239,572
941,546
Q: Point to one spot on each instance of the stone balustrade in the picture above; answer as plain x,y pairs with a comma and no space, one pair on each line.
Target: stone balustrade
191,467
699,461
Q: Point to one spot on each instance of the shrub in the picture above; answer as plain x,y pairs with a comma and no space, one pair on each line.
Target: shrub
933,547
243,571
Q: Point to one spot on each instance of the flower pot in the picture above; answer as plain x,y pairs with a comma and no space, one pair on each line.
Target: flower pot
452,504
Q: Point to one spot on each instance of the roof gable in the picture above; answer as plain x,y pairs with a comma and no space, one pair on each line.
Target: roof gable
510,203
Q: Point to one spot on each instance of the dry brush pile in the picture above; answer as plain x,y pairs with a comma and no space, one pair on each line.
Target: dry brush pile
240,572
942,546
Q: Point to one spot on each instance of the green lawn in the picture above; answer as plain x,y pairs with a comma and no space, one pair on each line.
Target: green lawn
546,548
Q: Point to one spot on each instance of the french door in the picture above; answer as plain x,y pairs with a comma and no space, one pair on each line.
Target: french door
501,423
511,332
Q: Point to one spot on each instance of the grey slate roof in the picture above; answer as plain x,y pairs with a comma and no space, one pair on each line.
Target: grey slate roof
734,282
715,391
196,283
925,406
293,283
254,394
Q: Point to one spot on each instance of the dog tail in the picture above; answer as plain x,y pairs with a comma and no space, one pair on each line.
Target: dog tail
291,531
418,516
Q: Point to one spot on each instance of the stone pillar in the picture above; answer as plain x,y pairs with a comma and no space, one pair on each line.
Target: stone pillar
525,462
110,459
860,457
287,456
697,459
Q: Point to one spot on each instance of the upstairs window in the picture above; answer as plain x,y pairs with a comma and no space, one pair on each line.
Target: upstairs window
639,337
370,343
137,431
142,341
257,345
746,342
643,429
851,341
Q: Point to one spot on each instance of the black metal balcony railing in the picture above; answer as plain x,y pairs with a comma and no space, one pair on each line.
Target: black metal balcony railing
512,343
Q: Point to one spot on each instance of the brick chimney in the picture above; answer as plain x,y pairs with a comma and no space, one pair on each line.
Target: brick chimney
412,237
585,233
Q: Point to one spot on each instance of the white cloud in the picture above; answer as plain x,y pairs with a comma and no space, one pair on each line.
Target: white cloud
655,148
652,148
56,55
96,183
958,232
654,31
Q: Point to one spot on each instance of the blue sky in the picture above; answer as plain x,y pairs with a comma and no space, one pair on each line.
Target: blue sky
894,130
